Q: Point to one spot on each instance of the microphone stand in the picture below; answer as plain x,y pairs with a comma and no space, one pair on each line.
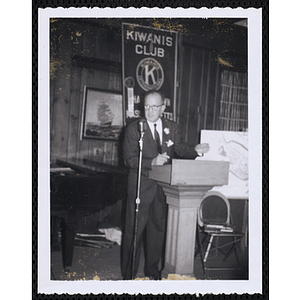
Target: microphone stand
137,200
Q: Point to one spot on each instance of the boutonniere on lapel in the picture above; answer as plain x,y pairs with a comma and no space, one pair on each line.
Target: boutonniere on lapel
166,130
169,143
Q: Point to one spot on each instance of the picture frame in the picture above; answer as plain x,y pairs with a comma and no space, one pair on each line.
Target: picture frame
102,114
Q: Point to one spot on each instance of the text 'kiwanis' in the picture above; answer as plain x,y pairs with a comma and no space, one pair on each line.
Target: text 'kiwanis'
151,39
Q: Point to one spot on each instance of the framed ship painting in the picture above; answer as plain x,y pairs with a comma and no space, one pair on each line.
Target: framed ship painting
102,114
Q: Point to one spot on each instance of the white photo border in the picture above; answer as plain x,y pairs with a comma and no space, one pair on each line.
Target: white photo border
254,284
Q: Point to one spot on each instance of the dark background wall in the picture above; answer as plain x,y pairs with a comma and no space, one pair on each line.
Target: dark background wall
89,52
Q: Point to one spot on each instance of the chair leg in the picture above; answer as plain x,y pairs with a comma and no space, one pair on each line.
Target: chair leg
199,249
208,248
201,257
217,246
235,250
233,247
204,239
198,241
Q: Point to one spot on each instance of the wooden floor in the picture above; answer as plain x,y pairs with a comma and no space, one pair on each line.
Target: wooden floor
104,264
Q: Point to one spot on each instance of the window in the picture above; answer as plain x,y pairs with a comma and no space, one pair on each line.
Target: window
234,101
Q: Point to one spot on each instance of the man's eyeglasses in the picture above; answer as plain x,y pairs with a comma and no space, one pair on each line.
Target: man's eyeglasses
154,107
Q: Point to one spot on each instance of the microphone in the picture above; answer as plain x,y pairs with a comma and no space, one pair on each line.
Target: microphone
142,125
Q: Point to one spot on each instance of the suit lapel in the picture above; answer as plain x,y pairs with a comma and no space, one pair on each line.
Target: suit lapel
165,137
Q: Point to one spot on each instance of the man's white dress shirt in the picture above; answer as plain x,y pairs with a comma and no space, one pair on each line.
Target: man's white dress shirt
158,128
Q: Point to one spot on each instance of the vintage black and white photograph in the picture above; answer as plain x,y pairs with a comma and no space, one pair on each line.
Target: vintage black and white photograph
150,151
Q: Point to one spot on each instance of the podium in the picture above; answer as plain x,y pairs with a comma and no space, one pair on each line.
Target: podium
185,183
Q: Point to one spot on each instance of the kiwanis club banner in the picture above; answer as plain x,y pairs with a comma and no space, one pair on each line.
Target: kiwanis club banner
149,63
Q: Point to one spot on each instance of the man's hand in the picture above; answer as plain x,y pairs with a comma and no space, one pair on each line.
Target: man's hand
202,148
160,159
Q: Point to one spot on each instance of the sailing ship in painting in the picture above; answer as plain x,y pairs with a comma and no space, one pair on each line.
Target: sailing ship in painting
103,128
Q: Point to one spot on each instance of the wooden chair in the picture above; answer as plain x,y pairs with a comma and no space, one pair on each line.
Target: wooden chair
214,220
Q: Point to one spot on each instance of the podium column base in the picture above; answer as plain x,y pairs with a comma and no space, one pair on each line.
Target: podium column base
169,271
183,203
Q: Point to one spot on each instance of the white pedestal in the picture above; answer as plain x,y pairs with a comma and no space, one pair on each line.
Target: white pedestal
183,203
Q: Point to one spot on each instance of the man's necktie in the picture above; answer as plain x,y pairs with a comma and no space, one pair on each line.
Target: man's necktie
157,139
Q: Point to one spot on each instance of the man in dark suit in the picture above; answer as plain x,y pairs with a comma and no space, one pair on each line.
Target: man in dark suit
161,139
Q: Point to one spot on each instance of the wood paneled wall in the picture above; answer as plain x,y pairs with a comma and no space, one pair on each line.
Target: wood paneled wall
81,54
87,53
199,88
